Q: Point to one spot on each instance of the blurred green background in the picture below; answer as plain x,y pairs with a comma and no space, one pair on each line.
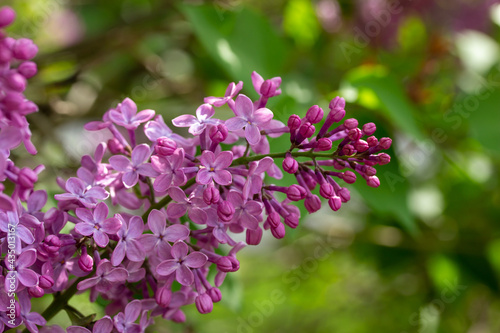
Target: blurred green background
419,254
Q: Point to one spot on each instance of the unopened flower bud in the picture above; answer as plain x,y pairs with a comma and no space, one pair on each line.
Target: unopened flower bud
372,141
335,202
354,134
349,177
373,181
218,133
115,147
163,296
279,231
351,123
165,146
24,49
292,220
307,130
361,146
324,144
215,294
204,303
85,262
253,237
348,150
312,203
293,122
369,129
384,158
7,16
28,69
344,194
178,317
211,195
274,219
385,143
45,281
290,165
52,244
295,192
228,264
267,88
326,190
27,178
16,81
315,114
337,111
36,291
225,211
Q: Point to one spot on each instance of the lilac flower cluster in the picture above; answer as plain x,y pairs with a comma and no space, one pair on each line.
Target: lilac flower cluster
195,194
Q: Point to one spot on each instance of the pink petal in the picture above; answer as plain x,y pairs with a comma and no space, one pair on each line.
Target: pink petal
204,176
184,276
37,200
135,251
176,233
223,160
163,182
132,311
75,185
157,221
160,164
117,275
77,329
205,111
130,179
100,238
120,163
135,227
147,170
140,154
148,242
179,250
144,116
119,253
262,116
249,221
104,325
177,194
128,109
185,120
24,234
6,203
111,226
85,229
252,134
235,123
207,158
175,210
167,267
253,208
243,107
195,260
89,283
100,212
27,258
222,177
257,81
97,192
197,216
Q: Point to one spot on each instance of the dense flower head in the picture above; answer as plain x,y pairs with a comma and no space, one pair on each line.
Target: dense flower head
122,226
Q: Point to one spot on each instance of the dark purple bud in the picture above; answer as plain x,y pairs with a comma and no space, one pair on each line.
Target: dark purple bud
290,165
350,123
228,264
254,237
312,203
372,141
218,133
24,49
335,203
225,210
348,150
355,134
370,171
274,219
28,69
337,112
204,303
345,194
294,122
384,158
115,147
292,220
326,190
315,114
373,181
267,88
52,244
45,281
361,146
16,81
36,291
279,231
385,143
165,146
211,195
307,130
27,178
7,16
163,296
324,144
85,262
349,177
296,192
369,129
215,294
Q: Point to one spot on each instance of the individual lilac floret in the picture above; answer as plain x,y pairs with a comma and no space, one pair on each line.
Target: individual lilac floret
197,124
249,118
106,277
162,234
126,115
79,191
181,263
267,88
129,244
97,224
136,166
169,169
214,168
125,322
22,272
231,91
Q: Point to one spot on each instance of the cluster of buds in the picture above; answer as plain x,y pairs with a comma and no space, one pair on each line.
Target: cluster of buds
150,221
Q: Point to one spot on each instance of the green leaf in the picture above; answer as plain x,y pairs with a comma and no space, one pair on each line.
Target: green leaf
382,92
240,42
301,23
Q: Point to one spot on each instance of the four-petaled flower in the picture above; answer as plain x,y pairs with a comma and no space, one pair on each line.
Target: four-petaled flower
129,244
87,196
97,224
215,168
197,124
126,115
105,277
249,118
137,166
181,263
162,234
